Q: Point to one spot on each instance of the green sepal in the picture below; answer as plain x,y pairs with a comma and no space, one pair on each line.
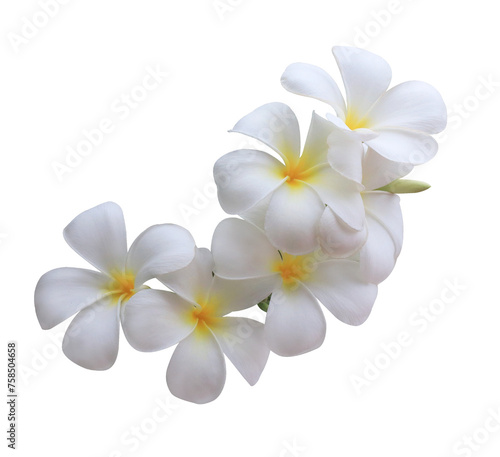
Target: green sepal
264,304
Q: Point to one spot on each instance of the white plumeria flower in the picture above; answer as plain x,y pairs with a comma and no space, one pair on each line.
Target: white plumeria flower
195,318
397,123
99,236
294,323
288,196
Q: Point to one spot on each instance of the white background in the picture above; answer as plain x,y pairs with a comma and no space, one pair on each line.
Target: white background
441,388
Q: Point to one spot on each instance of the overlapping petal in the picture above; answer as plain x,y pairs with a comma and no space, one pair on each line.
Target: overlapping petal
366,77
154,319
275,125
413,105
312,81
236,294
292,218
379,171
385,236
295,323
197,370
400,145
257,213
241,250
158,250
62,292
337,238
386,208
99,236
340,286
316,146
243,342
91,339
345,154
244,177
340,194
194,281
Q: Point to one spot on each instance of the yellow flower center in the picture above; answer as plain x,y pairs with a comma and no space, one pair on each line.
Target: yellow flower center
293,268
121,287
204,315
295,174
353,121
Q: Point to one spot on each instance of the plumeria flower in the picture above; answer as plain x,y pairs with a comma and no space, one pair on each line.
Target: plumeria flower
396,123
295,323
195,318
288,195
99,236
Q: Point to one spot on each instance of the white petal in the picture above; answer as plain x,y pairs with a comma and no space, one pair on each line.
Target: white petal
345,154
194,281
241,250
197,370
244,177
257,213
385,236
295,323
155,319
158,250
91,340
312,81
379,171
244,343
404,146
340,194
293,217
377,256
386,208
337,238
362,134
275,125
99,236
366,77
340,286
236,294
316,146
413,105
62,292
336,121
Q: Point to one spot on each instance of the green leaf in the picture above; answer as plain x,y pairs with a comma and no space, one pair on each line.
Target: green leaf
405,186
264,304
